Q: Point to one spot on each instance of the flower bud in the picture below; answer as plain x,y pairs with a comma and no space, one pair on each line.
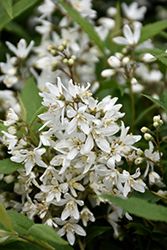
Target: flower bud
9,178
114,62
65,60
156,124
108,72
148,137
60,48
70,61
138,160
139,152
156,118
133,81
125,60
64,43
144,129
73,57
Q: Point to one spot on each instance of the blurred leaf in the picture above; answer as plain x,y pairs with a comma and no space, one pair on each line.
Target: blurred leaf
143,114
3,127
39,111
95,231
139,207
18,8
160,103
5,219
23,109
46,233
7,4
21,223
31,99
140,229
7,166
87,27
17,29
18,245
147,195
152,29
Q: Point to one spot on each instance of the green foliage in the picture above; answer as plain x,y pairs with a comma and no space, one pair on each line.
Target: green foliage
44,232
152,29
18,8
7,4
139,207
5,219
3,128
160,103
31,99
95,231
88,28
7,166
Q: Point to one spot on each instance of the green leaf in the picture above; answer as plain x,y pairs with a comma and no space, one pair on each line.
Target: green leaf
147,195
140,229
7,4
31,99
95,231
3,127
139,207
87,27
46,233
152,29
39,111
144,113
5,219
18,8
18,30
21,223
7,166
18,245
23,109
160,103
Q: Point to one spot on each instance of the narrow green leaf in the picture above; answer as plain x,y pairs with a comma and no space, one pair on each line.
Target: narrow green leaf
18,30
88,28
39,111
96,231
139,207
18,245
23,109
3,127
152,29
147,195
18,8
21,223
7,4
31,99
7,166
144,113
5,219
46,233
160,103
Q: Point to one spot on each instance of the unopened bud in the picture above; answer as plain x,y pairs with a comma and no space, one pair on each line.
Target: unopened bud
50,47
148,137
156,118
9,178
156,124
70,61
125,60
65,60
133,81
108,72
60,48
73,57
53,52
119,55
144,129
138,160
114,62
12,130
161,122
139,152
12,71
64,43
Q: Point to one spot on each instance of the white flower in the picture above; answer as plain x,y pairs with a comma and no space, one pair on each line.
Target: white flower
47,8
153,156
22,50
70,228
132,12
9,140
30,158
155,178
86,215
12,117
130,38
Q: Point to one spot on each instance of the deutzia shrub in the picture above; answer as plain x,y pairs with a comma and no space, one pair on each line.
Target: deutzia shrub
73,162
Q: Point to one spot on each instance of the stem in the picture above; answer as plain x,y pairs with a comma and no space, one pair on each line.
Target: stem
81,245
132,107
36,243
159,150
